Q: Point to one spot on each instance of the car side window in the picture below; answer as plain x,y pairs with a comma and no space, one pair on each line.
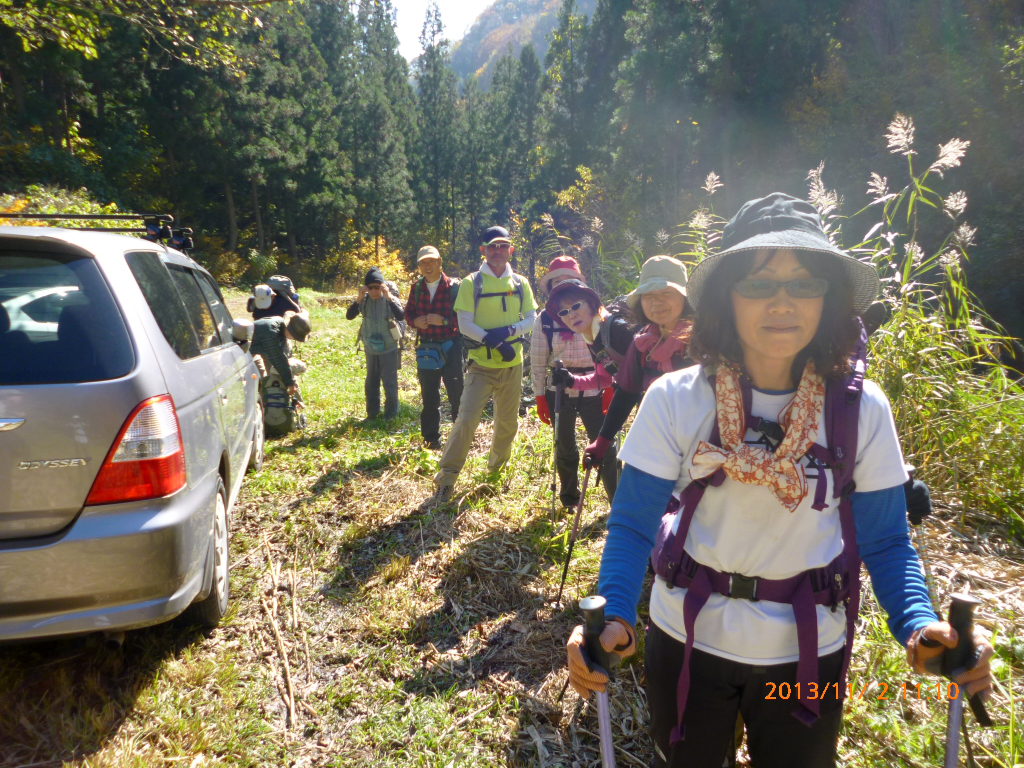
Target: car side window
196,306
220,312
164,301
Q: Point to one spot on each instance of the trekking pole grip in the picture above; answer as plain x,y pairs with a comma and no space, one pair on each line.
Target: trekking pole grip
961,618
593,619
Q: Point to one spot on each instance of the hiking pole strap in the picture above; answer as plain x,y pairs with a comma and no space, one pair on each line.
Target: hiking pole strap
961,618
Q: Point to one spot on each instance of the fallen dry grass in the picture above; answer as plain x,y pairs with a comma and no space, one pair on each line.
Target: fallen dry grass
368,628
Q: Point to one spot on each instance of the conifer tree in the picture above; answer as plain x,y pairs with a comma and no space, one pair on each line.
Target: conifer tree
384,129
438,193
568,138
475,161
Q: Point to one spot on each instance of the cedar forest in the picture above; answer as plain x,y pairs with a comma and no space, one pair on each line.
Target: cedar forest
294,137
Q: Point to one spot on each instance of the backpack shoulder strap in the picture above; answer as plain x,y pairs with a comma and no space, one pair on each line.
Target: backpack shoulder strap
606,340
842,417
478,287
548,327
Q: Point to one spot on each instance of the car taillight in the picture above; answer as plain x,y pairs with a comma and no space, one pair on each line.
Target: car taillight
147,460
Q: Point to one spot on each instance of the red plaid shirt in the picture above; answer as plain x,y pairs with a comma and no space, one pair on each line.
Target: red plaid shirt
420,303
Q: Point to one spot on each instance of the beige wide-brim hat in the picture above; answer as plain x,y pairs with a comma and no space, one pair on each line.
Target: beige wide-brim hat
658,272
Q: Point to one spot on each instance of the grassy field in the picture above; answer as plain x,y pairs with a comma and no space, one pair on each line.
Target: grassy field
368,630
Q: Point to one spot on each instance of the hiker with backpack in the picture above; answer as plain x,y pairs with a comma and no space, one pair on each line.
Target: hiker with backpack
496,310
379,335
571,330
660,346
274,298
269,336
783,468
431,309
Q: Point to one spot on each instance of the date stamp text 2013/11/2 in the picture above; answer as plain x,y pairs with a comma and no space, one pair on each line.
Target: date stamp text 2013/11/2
940,690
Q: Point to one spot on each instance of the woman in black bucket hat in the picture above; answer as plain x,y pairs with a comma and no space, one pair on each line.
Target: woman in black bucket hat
782,471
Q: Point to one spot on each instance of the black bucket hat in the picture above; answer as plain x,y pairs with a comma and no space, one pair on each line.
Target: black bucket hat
780,221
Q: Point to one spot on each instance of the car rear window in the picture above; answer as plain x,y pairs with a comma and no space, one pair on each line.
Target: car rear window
195,305
162,297
216,302
59,323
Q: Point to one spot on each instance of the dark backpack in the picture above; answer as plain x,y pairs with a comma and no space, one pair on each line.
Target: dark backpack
837,582
478,291
477,278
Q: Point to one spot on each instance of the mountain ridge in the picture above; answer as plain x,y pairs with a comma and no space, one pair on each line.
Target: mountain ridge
503,25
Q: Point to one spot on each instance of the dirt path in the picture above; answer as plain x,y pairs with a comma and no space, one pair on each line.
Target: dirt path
367,629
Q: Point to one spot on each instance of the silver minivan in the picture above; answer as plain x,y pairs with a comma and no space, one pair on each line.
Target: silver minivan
128,416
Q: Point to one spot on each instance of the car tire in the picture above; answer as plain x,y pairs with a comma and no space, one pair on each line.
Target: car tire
209,611
259,441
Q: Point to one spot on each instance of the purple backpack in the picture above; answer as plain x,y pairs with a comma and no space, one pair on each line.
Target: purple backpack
838,582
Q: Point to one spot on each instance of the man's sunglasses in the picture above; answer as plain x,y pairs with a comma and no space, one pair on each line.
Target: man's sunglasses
807,288
574,308
499,246
374,287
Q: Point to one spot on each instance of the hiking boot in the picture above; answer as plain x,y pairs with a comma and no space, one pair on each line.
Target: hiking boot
443,494
434,445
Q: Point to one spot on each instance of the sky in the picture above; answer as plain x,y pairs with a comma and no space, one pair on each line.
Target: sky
457,15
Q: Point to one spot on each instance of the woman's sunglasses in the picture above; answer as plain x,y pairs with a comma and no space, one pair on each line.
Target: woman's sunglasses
574,308
807,288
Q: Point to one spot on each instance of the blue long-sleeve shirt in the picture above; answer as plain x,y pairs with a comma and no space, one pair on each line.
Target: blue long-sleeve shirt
883,539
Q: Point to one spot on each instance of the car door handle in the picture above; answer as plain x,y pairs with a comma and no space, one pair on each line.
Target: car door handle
223,396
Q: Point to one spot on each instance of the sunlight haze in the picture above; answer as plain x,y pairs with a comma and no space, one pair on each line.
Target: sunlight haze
457,15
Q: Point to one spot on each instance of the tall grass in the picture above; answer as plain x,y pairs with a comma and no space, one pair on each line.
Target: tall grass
959,410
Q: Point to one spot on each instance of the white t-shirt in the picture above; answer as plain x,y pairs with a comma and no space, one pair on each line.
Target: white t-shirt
432,287
740,528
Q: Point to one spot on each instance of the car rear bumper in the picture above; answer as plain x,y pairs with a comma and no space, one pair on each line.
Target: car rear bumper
120,566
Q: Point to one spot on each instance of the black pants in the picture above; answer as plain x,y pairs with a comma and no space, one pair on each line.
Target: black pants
430,389
719,689
567,454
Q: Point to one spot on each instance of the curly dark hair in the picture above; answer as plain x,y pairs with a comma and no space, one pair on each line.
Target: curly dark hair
714,329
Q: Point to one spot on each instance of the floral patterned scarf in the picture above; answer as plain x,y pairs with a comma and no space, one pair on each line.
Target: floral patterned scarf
780,471
661,350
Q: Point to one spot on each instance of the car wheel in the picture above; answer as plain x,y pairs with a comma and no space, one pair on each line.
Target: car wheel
259,441
211,610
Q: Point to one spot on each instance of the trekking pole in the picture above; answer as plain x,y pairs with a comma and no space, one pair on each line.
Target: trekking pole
954,661
920,538
593,618
559,389
575,528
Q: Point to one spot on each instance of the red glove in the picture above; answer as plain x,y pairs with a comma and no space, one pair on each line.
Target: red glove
594,453
542,410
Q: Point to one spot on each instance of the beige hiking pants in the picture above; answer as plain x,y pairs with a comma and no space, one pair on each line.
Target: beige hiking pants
506,386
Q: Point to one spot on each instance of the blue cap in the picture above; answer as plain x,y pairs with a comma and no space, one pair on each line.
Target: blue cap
496,235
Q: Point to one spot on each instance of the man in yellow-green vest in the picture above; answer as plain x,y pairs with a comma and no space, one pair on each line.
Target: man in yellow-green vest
495,307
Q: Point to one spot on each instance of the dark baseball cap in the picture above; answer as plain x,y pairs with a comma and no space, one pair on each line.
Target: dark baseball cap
496,235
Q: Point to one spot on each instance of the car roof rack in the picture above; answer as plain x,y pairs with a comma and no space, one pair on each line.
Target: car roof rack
159,218
156,226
